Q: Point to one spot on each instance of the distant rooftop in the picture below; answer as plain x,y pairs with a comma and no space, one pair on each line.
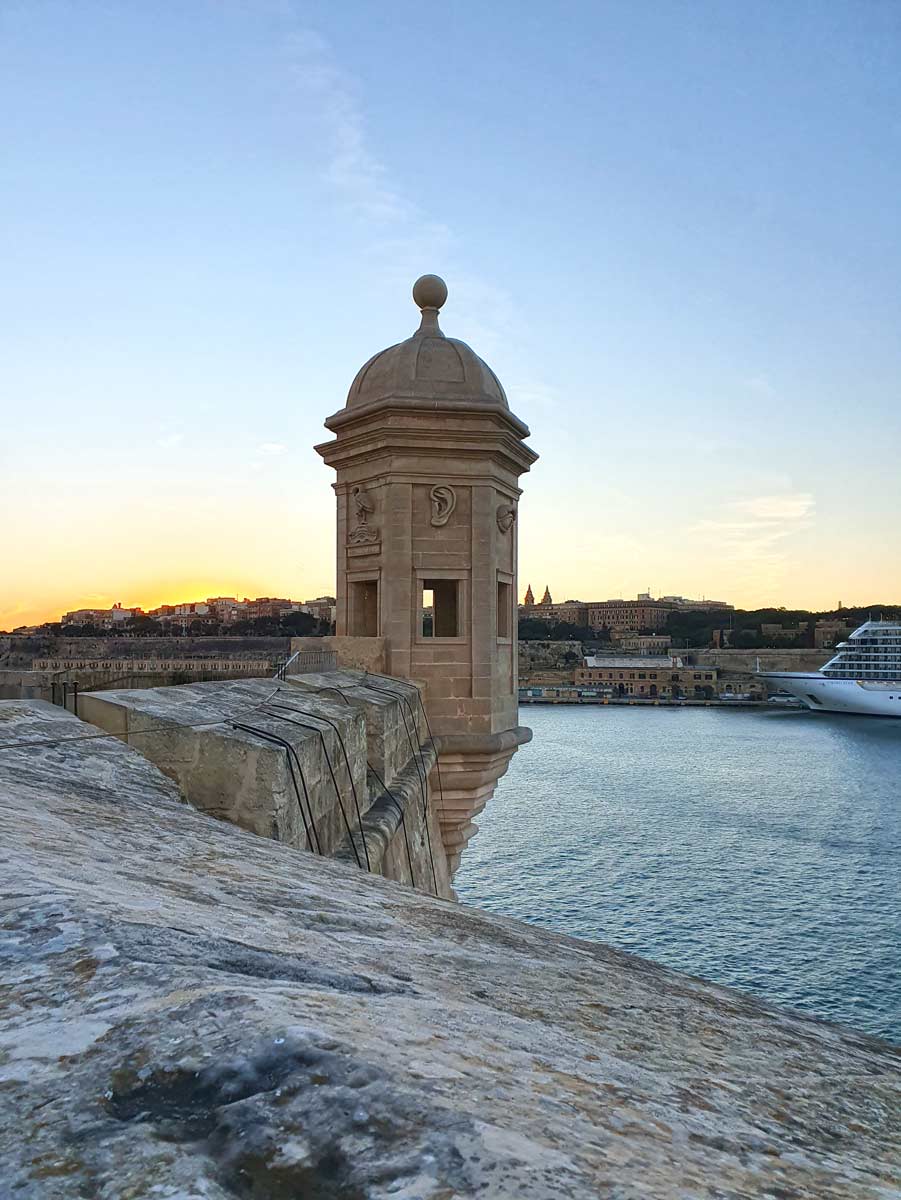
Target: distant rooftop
632,660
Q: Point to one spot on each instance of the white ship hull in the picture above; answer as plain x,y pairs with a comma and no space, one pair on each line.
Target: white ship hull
821,694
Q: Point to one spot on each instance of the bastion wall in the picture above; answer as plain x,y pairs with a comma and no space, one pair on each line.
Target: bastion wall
337,764
20,651
194,1011
745,661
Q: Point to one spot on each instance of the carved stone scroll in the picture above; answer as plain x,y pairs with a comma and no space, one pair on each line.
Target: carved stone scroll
444,501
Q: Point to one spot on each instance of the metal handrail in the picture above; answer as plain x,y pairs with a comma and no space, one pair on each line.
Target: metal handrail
282,670
308,660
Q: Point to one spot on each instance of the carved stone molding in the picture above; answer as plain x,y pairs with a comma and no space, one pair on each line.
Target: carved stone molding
362,532
470,765
506,515
444,501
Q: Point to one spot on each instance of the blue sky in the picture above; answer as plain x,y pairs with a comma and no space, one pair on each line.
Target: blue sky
671,228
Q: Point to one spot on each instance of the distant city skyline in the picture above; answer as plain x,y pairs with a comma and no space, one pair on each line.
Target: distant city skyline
682,265
218,609
235,601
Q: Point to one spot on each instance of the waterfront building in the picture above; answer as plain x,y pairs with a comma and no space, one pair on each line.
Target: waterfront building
619,616
782,634
181,613
623,616
573,612
684,605
85,616
224,609
628,615
322,608
828,633
105,618
645,643
268,606
647,677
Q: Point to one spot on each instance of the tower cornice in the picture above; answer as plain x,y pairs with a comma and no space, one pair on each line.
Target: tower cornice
434,432
399,406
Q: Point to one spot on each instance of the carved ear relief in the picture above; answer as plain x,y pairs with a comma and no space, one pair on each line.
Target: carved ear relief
506,515
444,501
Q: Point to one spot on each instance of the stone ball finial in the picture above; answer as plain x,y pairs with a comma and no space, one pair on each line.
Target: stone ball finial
429,291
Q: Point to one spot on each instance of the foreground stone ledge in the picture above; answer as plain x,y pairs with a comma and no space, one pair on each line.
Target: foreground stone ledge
215,740
191,1011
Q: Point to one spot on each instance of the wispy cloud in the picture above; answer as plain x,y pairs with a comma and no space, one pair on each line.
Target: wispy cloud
401,239
754,535
271,448
351,167
778,511
170,440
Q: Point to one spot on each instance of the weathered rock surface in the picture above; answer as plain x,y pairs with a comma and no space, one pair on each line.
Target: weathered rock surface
240,750
293,760
193,1011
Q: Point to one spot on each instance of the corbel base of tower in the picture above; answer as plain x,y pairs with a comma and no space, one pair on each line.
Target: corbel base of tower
470,766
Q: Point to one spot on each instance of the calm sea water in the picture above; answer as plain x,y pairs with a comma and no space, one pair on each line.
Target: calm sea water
760,849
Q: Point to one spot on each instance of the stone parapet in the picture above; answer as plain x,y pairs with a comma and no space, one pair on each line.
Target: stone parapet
154,666
237,754
21,650
290,760
25,685
395,724
400,756
388,835
353,653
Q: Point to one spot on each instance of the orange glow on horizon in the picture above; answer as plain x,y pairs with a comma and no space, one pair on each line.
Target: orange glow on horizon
181,591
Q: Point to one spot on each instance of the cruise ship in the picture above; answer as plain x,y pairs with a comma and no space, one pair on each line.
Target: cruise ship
864,676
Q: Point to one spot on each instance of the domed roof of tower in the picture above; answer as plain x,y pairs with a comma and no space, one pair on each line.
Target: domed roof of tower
428,365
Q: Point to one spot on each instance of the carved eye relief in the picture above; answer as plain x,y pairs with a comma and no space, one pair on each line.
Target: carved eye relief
444,501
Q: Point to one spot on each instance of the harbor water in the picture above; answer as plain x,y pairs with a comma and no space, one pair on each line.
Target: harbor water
757,848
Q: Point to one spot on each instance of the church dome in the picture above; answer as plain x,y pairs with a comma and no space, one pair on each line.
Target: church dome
428,365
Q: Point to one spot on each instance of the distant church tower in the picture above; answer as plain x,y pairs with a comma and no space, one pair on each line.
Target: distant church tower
428,457
546,598
530,599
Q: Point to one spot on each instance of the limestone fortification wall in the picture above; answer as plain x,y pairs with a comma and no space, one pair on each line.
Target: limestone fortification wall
20,651
744,662
358,653
335,764
192,1011
554,656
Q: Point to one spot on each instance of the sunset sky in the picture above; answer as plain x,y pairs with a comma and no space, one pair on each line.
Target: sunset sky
671,228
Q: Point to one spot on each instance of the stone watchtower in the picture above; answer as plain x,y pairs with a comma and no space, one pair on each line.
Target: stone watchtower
428,457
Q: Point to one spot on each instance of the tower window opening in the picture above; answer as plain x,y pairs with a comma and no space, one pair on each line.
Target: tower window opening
503,608
440,608
364,608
